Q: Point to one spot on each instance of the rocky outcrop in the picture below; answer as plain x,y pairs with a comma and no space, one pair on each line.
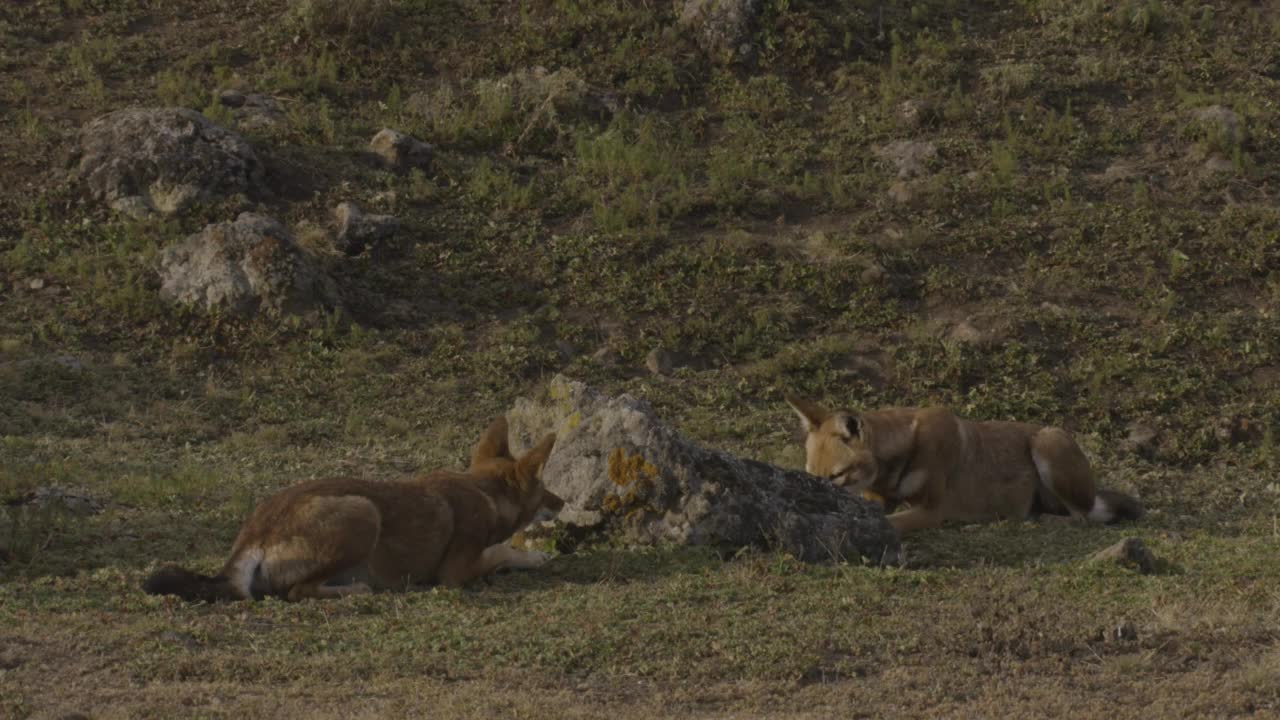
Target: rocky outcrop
625,473
143,160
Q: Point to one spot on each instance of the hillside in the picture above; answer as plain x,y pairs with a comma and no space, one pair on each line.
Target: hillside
1057,211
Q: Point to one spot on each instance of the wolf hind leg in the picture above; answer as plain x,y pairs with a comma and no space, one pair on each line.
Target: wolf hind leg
333,535
1065,480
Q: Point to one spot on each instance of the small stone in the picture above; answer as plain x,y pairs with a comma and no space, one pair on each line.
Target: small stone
136,207
659,362
1217,164
36,284
1141,439
231,98
357,231
401,152
914,113
606,355
1131,553
872,275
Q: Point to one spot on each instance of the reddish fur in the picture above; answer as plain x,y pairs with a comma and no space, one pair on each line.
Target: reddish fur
437,528
965,470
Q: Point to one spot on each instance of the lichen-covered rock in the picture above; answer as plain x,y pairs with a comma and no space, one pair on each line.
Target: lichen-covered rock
141,160
401,152
624,472
722,27
245,266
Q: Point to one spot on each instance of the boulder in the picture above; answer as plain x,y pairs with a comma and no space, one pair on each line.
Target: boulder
245,266
625,473
143,160
401,152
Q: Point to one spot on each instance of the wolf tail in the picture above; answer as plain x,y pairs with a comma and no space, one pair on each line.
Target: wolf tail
174,580
1111,506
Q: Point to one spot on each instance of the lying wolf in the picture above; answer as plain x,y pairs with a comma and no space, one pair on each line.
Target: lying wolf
948,468
330,538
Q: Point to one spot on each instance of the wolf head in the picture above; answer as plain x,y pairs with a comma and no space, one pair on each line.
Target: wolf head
492,455
834,446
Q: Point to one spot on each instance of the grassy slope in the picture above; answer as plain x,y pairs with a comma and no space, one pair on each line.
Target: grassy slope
641,197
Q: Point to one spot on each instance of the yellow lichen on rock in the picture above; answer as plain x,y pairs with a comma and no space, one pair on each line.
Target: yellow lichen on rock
626,469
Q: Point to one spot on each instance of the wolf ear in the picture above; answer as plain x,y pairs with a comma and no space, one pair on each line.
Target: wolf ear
530,464
493,444
811,414
850,426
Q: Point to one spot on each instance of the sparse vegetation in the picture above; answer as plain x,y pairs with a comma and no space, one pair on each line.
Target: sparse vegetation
1094,243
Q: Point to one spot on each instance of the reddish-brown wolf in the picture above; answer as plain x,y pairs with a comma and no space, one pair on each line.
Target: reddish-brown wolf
330,538
948,468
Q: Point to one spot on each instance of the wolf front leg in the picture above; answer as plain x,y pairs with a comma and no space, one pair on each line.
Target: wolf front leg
916,518
460,569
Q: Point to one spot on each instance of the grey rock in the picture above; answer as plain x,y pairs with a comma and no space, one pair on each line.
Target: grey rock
133,206
1130,552
358,231
71,501
625,473
245,266
401,152
722,28
163,159
231,98
258,112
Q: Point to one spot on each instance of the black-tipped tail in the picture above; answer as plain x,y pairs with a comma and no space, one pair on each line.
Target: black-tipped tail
1110,506
174,580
